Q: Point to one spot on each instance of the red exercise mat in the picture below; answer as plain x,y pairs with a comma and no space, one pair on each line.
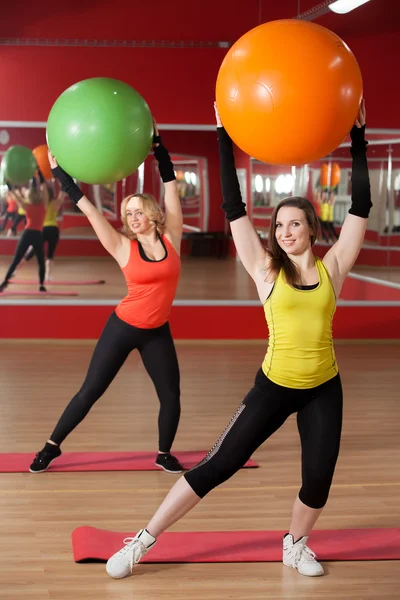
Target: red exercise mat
51,282
101,461
44,294
92,544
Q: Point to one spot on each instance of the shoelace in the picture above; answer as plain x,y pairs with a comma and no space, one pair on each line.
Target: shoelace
172,458
133,545
298,552
43,455
169,457
40,456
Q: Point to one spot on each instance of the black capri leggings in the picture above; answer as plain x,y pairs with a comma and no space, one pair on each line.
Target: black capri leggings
265,408
30,237
17,220
8,216
116,342
51,235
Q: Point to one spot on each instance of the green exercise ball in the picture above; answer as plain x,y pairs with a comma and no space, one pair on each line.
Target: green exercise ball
18,165
100,130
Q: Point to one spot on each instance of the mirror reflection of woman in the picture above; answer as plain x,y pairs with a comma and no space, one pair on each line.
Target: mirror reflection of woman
51,232
33,201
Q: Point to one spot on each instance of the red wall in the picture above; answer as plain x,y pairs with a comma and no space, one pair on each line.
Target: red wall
178,84
189,322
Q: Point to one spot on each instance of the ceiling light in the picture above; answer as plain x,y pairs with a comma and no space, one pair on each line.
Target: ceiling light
344,6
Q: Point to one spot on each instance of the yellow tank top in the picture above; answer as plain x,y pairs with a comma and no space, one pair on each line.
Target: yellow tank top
331,212
300,351
324,211
21,211
50,219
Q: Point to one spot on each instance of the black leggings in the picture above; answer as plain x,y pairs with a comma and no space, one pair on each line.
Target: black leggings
51,235
9,216
265,408
328,230
17,220
30,237
116,342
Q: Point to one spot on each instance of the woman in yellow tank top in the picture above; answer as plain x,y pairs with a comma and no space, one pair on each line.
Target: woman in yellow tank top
299,373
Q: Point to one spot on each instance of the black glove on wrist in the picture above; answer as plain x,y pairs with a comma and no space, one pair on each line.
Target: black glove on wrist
360,186
233,205
165,165
68,185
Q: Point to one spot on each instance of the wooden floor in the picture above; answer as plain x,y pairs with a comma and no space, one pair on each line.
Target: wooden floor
201,278
39,512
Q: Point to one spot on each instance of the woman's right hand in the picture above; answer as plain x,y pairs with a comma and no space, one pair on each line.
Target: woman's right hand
52,160
217,117
361,117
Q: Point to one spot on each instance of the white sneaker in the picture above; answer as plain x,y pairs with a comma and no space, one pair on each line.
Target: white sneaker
300,557
121,564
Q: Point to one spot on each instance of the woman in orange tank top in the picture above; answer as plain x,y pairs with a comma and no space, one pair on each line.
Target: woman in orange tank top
9,211
34,201
147,250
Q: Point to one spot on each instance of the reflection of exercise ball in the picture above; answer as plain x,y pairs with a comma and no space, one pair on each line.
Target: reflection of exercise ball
335,176
288,92
100,130
18,165
40,153
329,175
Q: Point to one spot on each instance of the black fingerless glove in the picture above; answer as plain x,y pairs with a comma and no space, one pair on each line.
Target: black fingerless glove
68,185
360,186
233,205
165,165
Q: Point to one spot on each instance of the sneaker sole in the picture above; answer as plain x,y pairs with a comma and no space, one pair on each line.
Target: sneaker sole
303,574
43,470
167,470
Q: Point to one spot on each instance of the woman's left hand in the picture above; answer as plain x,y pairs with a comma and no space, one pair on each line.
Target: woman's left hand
156,134
361,117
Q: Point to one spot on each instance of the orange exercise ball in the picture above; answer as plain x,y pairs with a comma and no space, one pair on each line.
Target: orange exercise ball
329,175
335,175
288,92
324,176
40,153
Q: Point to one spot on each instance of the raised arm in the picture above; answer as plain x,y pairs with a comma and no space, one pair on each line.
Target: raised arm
343,254
18,197
44,190
57,202
248,244
115,243
173,209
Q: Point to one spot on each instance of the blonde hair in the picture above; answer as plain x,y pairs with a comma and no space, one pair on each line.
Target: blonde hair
34,196
150,208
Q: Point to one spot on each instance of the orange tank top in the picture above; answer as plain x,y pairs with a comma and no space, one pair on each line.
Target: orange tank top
35,214
151,287
11,204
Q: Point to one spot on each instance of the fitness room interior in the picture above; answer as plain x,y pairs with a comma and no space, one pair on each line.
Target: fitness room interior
59,528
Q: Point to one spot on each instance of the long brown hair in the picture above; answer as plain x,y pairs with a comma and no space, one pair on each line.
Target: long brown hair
150,208
278,257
